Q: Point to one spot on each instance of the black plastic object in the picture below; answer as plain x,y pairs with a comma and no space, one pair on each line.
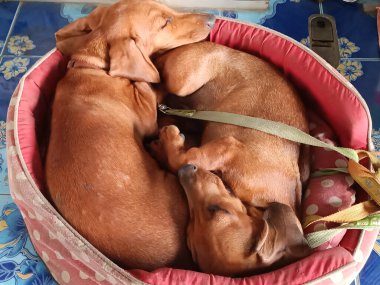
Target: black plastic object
324,38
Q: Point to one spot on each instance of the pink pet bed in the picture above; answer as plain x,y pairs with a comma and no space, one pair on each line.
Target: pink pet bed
71,259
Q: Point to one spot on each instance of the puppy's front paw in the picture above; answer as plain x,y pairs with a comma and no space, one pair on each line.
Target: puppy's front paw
171,138
169,147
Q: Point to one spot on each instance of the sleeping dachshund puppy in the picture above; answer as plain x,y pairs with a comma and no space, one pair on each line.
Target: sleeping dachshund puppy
99,176
251,222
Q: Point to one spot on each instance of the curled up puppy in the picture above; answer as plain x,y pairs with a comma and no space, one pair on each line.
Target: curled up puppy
238,231
99,176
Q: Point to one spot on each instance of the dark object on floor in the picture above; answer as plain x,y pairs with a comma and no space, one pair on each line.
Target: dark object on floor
378,23
323,38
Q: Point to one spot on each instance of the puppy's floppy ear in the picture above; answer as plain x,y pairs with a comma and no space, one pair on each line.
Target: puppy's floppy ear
74,35
128,60
282,237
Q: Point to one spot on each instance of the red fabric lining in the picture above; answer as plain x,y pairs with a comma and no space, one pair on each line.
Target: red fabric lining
299,272
34,111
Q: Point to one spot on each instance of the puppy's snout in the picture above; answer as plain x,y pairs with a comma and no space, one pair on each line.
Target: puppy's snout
211,21
187,169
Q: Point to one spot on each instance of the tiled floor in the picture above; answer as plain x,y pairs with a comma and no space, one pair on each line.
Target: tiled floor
27,33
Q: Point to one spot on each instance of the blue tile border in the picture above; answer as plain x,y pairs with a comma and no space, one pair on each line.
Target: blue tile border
11,71
10,29
7,15
34,28
19,262
350,21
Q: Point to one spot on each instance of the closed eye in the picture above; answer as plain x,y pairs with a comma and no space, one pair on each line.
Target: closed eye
228,188
167,22
216,208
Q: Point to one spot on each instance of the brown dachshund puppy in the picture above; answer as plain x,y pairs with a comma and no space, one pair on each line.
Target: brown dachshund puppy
259,168
227,237
99,175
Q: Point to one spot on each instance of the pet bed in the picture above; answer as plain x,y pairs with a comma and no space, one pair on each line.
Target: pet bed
72,260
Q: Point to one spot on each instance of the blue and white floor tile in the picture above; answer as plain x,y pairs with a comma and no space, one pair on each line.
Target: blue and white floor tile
7,12
27,32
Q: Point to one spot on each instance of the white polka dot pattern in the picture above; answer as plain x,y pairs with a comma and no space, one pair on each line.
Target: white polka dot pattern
99,277
84,257
58,254
319,227
83,275
340,163
52,235
31,215
358,256
335,201
327,183
112,280
336,277
10,125
350,181
39,217
312,209
36,235
74,256
65,276
21,176
45,256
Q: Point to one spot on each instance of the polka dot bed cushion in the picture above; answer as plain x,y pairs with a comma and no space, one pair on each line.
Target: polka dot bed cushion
72,260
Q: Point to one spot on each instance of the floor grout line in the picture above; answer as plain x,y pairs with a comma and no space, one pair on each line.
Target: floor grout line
21,55
369,59
11,27
320,8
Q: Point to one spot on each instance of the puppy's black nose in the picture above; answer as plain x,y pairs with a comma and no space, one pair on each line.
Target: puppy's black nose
187,169
211,21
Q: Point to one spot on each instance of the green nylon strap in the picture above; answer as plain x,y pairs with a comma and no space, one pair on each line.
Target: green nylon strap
329,171
270,127
315,239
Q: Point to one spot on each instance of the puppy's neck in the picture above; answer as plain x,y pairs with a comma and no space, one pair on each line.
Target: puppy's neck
93,55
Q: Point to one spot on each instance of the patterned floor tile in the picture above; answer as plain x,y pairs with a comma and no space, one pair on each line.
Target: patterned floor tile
370,273
33,33
4,186
7,12
356,25
19,263
11,70
73,11
365,76
292,18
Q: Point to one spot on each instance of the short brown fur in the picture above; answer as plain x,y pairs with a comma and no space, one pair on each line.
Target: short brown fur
99,176
259,168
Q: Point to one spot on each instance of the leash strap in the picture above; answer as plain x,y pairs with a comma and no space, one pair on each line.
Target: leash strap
274,128
360,216
349,215
318,238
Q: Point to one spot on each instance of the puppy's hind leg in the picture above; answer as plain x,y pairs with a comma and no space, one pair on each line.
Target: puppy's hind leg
186,69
